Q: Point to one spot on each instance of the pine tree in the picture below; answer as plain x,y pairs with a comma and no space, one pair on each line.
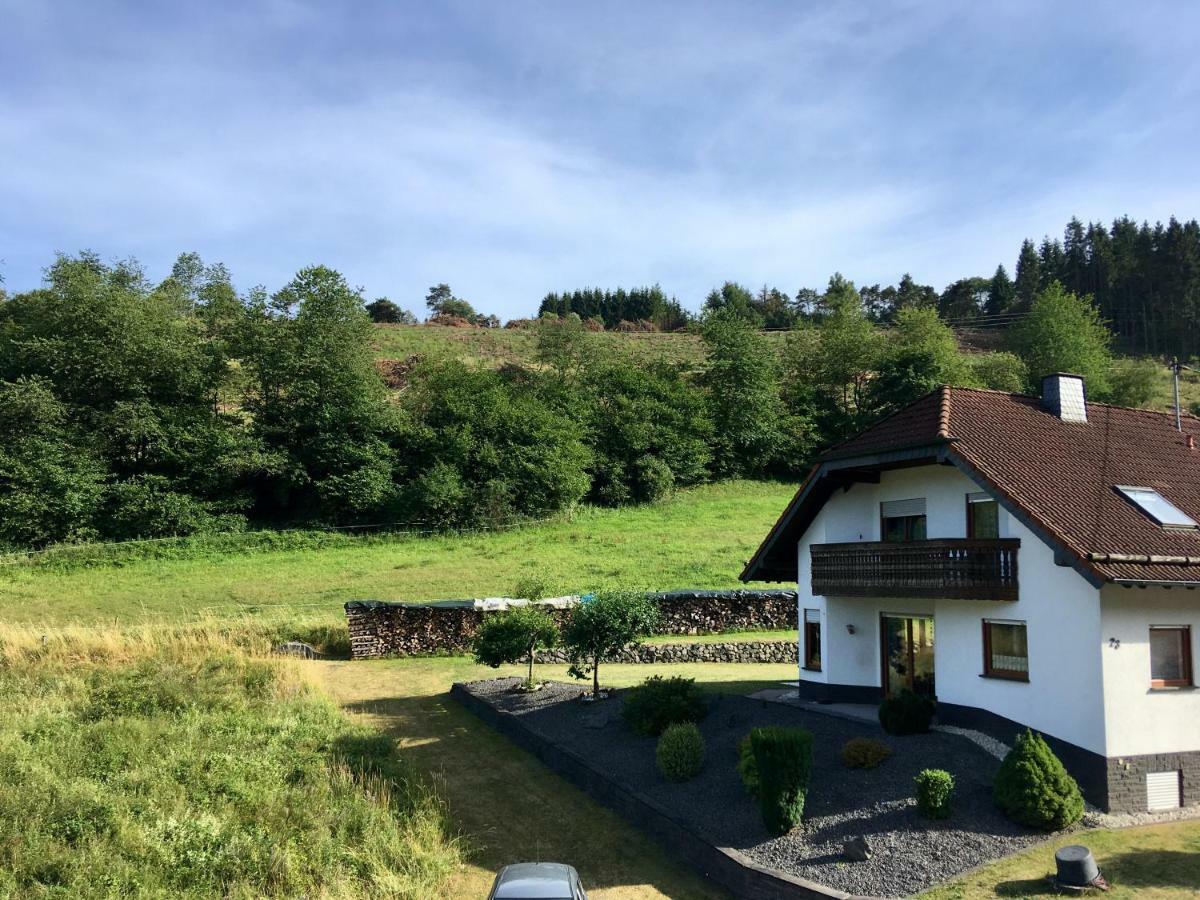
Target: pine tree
1029,276
1001,293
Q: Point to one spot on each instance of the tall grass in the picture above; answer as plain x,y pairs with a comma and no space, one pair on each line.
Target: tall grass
171,762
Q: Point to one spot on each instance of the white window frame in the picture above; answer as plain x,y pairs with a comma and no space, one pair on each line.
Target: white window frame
1176,517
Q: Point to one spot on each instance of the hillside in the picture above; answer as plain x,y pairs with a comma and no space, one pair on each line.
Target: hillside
495,347
498,346
698,538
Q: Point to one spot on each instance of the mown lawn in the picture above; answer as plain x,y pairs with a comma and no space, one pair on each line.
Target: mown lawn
490,786
1154,862
507,805
700,538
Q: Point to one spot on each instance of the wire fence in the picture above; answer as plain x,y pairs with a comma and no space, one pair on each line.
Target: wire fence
99,552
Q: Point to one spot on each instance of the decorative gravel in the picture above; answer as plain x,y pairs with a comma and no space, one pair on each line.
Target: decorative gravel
908,852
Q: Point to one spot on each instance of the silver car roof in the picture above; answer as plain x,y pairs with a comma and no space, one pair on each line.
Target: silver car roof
535,881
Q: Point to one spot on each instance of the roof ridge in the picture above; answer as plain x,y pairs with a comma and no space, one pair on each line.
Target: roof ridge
1169,413
832,448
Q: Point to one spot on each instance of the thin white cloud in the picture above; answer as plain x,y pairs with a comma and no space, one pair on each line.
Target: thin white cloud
597,147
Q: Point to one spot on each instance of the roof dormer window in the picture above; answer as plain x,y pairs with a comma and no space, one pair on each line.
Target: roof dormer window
1157,507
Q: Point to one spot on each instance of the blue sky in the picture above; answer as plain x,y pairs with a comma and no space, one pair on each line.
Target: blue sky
511,148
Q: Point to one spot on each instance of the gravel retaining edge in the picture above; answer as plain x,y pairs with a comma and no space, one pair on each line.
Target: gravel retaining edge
728,867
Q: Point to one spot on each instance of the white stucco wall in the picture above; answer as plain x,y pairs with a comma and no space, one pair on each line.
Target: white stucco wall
1138,719
1061,610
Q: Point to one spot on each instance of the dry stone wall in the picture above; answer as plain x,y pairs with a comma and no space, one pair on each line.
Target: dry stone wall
379,629
696,651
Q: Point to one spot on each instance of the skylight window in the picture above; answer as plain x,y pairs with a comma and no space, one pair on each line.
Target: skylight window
1157,507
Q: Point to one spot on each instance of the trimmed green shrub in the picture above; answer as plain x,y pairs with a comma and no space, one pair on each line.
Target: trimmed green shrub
864,753
601,627
680,752
1033,788
935,789
514,636
783,757
906,713
747,767
659,702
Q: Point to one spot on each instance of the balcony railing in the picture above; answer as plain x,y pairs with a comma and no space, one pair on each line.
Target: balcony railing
967,569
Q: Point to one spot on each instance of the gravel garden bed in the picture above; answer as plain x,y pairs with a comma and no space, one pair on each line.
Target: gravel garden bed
909,853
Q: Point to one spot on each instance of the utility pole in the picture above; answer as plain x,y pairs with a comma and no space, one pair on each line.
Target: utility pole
1175,367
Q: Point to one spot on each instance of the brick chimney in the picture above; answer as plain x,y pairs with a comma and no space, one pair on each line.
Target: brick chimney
1064,396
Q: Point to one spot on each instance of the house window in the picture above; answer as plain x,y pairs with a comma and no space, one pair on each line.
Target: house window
1170,656
983,516
902,520
1157,507
1005,650
812,640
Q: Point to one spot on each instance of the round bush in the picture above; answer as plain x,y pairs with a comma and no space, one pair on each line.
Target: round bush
935,789
864,753
680,752
658,702
1033,788
906,713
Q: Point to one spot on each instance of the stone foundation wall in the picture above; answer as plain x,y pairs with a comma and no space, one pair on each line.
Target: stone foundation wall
1127,778
380,629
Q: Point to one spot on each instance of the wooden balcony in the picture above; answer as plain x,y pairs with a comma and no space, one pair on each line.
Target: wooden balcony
949,568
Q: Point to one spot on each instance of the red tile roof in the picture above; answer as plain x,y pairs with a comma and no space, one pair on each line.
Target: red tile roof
1061,477
1064,476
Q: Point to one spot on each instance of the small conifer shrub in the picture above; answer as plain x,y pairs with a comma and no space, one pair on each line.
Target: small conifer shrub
1033,787
783,757
680,752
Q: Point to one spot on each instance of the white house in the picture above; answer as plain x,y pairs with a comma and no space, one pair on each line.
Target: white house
1033,562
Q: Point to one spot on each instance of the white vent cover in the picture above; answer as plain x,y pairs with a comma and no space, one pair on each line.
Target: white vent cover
1063,395
895,509
1162,790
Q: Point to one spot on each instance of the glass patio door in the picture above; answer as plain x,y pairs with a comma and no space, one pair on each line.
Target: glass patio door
907,654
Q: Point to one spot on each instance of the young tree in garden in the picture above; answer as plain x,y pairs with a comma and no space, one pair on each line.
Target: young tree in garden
1064,333
603,626
515,635
752,430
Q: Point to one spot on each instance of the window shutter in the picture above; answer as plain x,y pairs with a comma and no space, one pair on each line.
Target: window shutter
1162,790
895,509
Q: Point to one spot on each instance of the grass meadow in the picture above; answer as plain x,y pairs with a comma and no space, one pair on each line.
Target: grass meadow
699,538
166,762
